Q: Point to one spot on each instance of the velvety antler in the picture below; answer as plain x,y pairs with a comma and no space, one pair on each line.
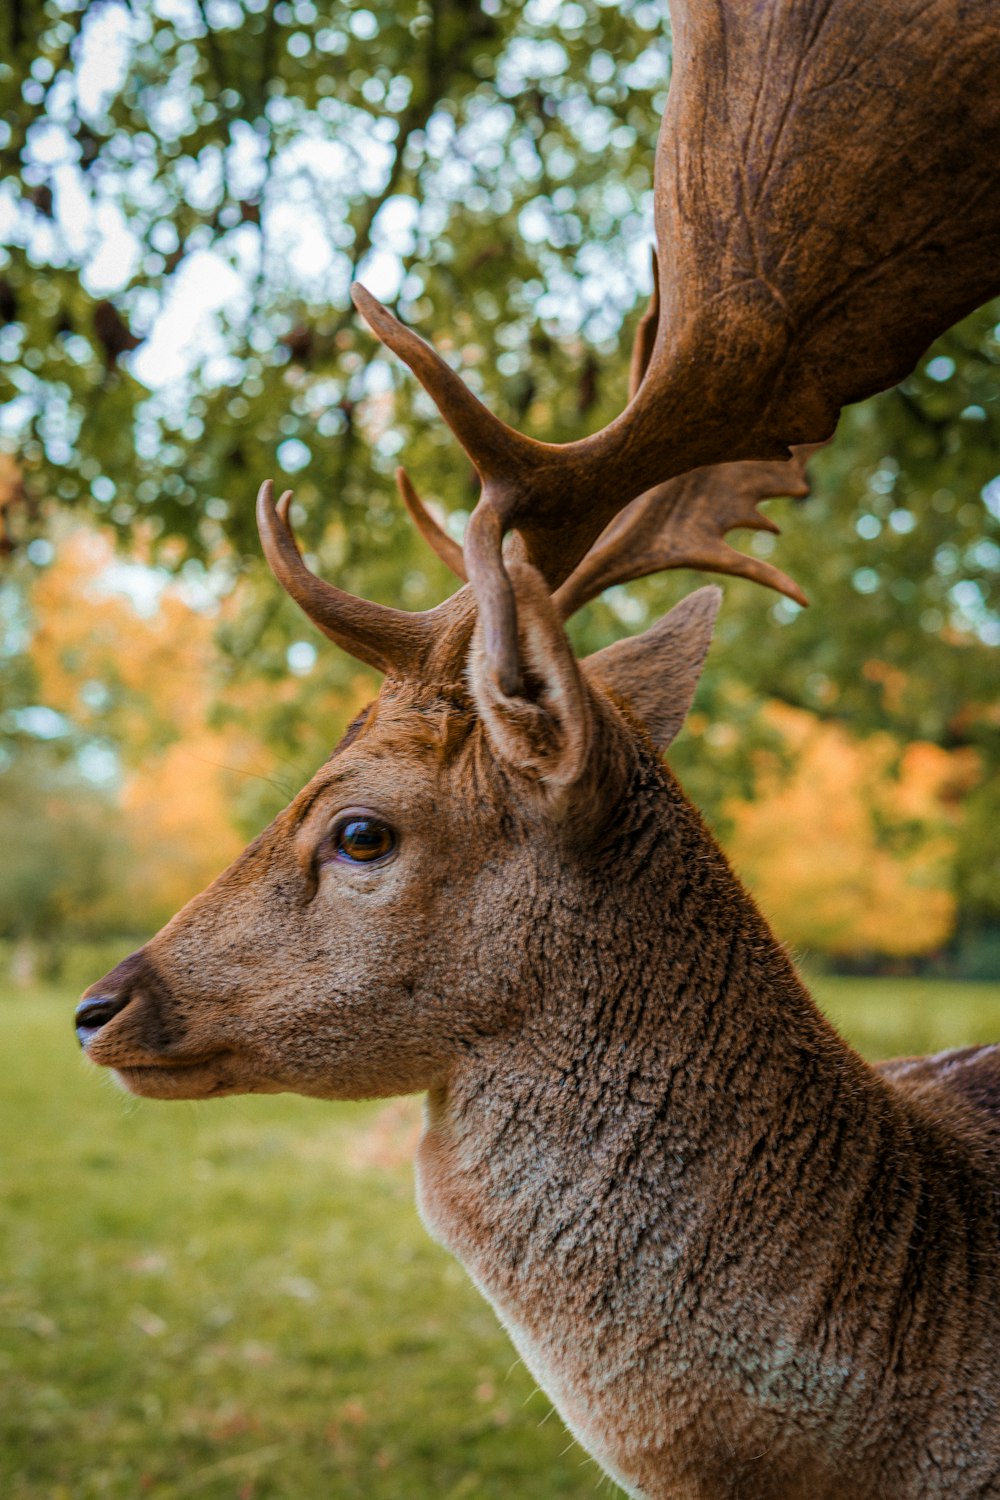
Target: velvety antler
818,227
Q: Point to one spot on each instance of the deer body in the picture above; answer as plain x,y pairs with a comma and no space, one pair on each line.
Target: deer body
722,1243
743,1264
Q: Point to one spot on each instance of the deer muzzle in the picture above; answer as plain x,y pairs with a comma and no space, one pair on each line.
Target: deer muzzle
131,1018
132,1022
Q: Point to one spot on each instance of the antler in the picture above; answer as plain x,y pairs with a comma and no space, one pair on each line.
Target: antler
825,207
645,334
391,640
434,535
681,524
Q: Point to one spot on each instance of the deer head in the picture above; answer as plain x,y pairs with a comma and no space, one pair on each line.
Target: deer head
362,944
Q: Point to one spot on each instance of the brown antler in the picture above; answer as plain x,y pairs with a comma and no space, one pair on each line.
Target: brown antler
825,207
391,640
681,524
645,334
433,534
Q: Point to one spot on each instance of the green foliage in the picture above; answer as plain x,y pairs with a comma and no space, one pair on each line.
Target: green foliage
484,128
238,1299
60,861
899,548
59,853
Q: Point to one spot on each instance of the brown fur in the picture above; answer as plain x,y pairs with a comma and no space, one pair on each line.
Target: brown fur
742,1262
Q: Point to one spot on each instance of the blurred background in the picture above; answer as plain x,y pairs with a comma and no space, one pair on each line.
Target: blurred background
189,187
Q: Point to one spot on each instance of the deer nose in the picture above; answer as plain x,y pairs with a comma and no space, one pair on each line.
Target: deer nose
96,1012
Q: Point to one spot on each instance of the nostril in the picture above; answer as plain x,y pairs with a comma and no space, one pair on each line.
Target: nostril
92,1014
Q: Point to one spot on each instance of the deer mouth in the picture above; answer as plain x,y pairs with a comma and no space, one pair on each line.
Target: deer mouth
180,1078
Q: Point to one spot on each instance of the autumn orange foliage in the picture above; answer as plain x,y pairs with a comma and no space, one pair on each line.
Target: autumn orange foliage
848,849
146,681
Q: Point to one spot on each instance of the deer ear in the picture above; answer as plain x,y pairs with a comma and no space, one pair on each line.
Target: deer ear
545,730
657,672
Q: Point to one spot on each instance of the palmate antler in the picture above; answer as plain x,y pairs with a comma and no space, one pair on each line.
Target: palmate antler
678,524
681,523
825,206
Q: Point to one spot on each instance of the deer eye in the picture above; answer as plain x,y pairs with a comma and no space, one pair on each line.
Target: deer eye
360,839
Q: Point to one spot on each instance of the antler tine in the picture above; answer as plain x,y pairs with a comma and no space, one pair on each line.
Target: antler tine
507,463
531,486
681,524
525,484
494,448
391,640
434,535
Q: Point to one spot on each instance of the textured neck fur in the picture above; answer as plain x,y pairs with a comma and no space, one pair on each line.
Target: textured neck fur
669,1180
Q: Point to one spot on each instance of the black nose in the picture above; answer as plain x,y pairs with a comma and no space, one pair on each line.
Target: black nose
96,1012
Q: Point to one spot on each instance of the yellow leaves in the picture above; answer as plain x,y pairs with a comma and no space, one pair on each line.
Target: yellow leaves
850,852
96,654
176,810
11,498
144,679
891,679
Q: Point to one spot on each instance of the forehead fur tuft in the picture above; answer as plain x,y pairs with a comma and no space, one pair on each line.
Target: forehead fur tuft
415,719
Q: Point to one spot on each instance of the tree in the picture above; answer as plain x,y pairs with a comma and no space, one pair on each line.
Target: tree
850,853
60,871
118,780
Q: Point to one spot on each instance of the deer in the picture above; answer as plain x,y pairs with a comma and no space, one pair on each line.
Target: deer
740,1260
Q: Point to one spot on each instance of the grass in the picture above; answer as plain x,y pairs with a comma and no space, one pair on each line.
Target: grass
901,1017
236,1300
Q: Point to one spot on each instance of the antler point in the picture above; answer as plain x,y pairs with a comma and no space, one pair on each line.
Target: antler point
370,308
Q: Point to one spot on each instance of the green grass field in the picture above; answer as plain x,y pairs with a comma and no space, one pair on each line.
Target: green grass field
236,1301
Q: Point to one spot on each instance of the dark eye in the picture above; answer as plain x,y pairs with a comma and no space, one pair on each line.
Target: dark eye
361,840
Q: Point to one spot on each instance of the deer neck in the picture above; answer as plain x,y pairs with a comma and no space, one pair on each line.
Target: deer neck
643,1179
